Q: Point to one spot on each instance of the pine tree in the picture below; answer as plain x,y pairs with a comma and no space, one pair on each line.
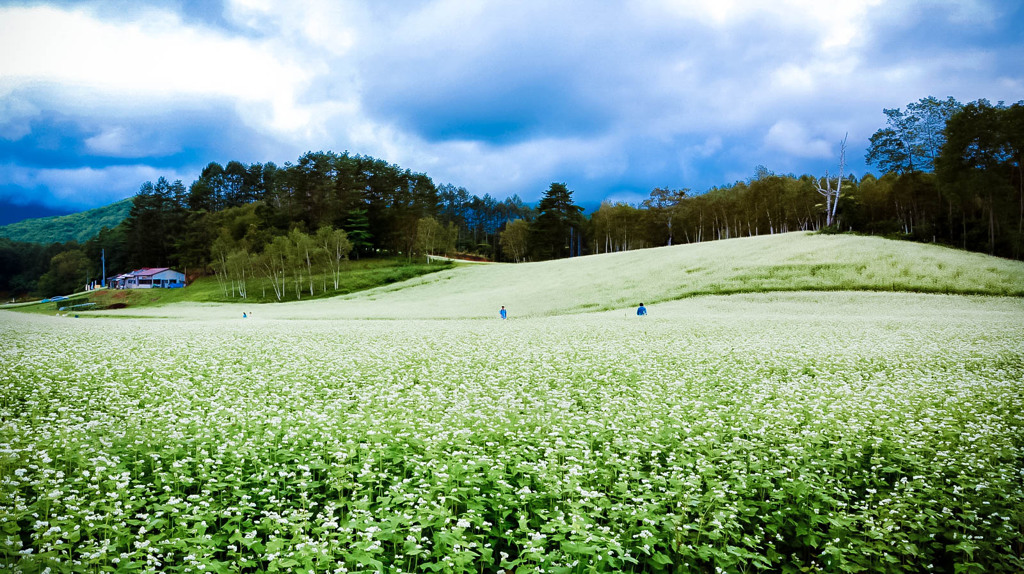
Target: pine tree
558,230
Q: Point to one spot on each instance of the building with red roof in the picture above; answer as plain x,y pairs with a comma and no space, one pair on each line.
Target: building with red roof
148,278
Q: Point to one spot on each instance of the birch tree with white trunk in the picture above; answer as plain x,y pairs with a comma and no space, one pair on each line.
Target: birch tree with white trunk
275,261
335,244
832,195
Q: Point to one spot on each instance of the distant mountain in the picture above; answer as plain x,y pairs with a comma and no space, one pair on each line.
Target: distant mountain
13,212
80,226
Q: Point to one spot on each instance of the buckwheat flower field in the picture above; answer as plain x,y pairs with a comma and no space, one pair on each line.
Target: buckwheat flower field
833,432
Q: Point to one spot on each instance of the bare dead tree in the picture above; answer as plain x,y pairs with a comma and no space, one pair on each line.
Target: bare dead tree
832,195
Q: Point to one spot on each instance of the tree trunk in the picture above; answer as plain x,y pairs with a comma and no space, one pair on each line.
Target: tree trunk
991,225
1020,220
963,222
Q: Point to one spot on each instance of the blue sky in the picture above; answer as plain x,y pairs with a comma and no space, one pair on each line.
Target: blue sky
611,98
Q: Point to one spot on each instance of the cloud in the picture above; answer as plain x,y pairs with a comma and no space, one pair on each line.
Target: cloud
612,98
792,138
503,74
145,63
707,148
112,141
185,133
15,115
80,188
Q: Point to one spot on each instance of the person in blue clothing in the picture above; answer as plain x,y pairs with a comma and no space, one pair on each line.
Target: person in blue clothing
503,312
641,310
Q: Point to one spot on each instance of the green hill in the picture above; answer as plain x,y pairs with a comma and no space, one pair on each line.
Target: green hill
79,227
615,281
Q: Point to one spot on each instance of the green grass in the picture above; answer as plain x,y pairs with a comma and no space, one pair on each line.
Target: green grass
357,276
787,262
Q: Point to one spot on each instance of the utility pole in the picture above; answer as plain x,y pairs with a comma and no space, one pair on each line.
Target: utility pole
103,258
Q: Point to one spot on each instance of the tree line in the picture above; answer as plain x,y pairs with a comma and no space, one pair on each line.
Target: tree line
379,205
233,220
951,174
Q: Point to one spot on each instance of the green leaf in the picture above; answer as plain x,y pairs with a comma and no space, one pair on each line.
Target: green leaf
661,559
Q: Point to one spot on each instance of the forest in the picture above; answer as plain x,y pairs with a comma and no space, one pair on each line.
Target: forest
951,174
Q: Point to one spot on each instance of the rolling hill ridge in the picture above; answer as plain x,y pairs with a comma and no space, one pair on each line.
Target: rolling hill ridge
79,227
776,263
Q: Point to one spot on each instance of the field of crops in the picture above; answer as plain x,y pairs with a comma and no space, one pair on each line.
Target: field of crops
770,263
836,432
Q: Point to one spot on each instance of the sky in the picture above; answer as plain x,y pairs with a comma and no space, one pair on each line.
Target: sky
612,98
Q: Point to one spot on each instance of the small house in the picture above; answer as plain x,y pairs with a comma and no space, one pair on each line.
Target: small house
148,278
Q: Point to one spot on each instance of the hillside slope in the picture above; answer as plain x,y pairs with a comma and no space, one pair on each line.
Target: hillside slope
79,227
787,262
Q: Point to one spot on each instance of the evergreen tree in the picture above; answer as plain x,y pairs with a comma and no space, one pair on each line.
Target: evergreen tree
557,231
154,223
357,226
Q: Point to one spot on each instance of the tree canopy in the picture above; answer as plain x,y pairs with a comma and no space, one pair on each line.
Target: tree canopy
913,137
557,231
951,173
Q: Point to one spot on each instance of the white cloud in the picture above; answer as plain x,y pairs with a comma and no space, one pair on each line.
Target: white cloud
639,91
112,141
525,168
15,117
791,78
122,140
707,148
836,24
84,187
792,138
155,59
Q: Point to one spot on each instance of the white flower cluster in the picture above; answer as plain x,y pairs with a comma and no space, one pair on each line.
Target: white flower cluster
747,430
